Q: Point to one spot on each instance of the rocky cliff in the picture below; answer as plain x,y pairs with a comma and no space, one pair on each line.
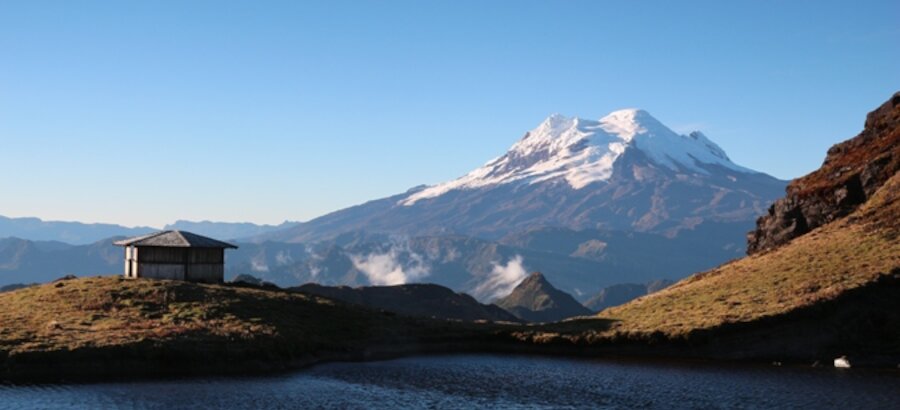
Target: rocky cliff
853,170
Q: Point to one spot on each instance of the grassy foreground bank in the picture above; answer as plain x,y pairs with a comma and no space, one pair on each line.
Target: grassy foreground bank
112,326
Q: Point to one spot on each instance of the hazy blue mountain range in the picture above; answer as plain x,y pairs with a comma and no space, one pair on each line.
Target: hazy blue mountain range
425,300
77,233
578,262
581,263
623,293
24,261
227,230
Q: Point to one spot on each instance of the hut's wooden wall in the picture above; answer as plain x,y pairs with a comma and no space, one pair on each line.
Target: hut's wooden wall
181,255
161,271
206,272
190,264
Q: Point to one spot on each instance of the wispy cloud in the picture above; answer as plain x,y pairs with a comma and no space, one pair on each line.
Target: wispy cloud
388,268
258,263
501,280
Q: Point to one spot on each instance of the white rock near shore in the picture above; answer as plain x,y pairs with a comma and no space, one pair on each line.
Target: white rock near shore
842,363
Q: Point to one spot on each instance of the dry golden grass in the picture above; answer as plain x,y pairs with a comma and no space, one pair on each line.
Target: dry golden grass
816,267
113,312
821,266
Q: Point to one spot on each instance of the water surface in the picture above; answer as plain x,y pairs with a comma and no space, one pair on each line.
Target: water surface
486,381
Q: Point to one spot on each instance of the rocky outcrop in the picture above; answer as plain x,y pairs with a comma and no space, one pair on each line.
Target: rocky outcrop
853,170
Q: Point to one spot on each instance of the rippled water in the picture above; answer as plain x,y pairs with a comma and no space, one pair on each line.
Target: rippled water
487,381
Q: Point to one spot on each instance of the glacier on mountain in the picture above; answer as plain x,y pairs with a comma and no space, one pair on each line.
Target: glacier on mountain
581,152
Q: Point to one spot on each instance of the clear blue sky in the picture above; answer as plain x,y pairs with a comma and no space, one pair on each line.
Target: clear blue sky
145,112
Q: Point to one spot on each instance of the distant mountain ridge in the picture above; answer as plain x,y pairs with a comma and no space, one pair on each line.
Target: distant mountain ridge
78,233
581,262
623,293
483,269
24,261
419,299
227,230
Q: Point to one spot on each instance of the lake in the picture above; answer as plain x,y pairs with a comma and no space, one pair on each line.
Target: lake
487,381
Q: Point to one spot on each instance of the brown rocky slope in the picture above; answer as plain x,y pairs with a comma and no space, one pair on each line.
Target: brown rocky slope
853,170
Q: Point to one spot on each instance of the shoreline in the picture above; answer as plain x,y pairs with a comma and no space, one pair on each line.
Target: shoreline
166,329
94,370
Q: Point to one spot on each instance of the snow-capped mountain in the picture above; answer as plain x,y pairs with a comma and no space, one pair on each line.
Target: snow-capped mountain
625,171
582,152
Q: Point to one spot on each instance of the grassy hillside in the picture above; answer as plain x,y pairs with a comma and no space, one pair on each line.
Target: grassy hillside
107,324
813,268
833,291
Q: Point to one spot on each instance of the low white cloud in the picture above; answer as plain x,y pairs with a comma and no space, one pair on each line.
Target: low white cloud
501,280
258,263
388,269
283,258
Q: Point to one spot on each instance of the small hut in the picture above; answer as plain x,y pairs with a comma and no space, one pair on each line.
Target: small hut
176,255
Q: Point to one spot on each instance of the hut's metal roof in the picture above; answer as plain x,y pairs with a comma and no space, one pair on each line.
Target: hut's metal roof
174,239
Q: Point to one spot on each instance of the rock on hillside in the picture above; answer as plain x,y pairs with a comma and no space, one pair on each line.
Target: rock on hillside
424,300
536,300
853,170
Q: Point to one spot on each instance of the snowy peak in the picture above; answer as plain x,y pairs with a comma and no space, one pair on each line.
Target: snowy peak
630,122
580,152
